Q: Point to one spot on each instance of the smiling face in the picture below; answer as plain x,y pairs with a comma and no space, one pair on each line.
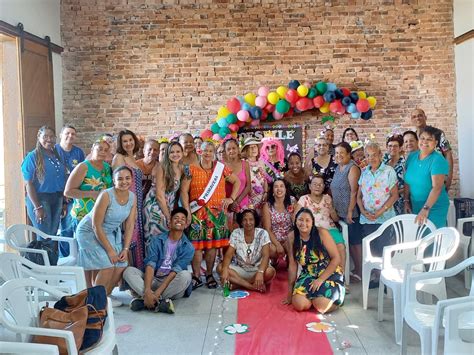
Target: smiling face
100,150
304,222
187,142
271,150
253,151
151,151
123,180
208,152
231,149
329,135
220,153
163,148
197,144
178,222
410,143
317,186
175,153
373,156
427,143
418,118
68,136
47,139
342,156
128,143
321,147
279,189
393,148
358,155
294,164
350,136
248,222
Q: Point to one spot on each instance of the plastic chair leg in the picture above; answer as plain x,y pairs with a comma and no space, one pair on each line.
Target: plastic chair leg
365,285
380,302
397,314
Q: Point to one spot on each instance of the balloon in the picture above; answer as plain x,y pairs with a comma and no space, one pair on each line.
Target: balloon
250,98
304,104
273,98
339,94
291,96
255,123
241,123
281,91
233,105
302,91
233,135
242,115
256,112
372,101
354,97
362,105
355,115
241,99
321,87
270,107
366,115
331,87
307,84
228,136
270,117
362,95
222,122
335,106
329,96
351,108
346,91
215,128
312,93
246,106
293,84
282,106
324,108
222,112
224,131
264,115
261,101
216,137
346,101
231,118
277,115
206,134
318,101
263,91
234,127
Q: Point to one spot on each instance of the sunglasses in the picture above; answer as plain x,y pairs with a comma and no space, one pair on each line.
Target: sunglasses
272,146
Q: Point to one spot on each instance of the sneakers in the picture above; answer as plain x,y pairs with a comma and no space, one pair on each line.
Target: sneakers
115,302
164,306
137,304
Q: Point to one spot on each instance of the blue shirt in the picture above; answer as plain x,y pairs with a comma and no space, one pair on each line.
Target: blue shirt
54,173
72,158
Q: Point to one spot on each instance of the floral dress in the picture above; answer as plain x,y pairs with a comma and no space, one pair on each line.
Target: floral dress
313,263
281,222
400,170
257,189
327,173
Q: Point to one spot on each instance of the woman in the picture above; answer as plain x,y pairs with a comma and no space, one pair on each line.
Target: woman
277,217
127,146
321,281
220,153
203,195
163,195
249,251
344,187
241,169
45,176
258,183
296,177
190,156
349,135
102,248
273,157
322,164
151,150
88,179
197,144
396,160
426,171
358,154
328,134
410,142
109,138
164,142
324,214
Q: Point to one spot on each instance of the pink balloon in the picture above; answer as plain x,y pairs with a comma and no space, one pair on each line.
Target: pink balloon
243,115
304,104
263,91
335,106
270,107
216,137
363,105
206,134
277,115
234,127
255,123
228,136
233,105
307,84
261,101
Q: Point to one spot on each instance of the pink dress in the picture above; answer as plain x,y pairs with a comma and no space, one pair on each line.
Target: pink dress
243,181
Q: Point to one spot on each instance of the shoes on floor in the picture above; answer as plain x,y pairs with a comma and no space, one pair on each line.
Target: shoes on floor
115,302
137,304
165,306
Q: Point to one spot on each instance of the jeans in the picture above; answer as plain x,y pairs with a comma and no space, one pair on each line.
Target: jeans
52,206
67,230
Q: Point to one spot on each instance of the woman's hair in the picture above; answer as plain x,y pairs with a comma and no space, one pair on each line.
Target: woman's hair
120,168
271,197
395,138
101,139
317,176
433,132
126,132
314,238
168,167
226,142
347,130
206,143
372,145
413,133
279,148
295,154
240,217
39,159
347,147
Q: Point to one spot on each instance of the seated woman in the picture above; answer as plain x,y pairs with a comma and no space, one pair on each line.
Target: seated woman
246,262
321,281
102,248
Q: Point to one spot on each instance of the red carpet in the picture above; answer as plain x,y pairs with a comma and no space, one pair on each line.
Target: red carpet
275,328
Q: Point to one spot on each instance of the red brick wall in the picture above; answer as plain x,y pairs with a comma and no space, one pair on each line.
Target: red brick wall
157,69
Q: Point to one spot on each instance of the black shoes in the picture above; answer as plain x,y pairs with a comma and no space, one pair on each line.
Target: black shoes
163,306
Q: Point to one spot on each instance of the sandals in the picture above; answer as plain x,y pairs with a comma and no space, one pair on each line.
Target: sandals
211,281
355,278
196,282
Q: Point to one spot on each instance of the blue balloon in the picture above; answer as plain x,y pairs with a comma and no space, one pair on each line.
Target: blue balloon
245,106
241,100
354,97
339,93
355,115
332,87
256,112
366,115
351,108
329,96
346,101
222,122
293,84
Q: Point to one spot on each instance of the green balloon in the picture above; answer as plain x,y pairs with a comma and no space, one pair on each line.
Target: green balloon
282,106
224,131
231,118
321,87
215,128
312,93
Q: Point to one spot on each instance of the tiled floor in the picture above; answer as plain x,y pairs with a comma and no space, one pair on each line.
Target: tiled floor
197,326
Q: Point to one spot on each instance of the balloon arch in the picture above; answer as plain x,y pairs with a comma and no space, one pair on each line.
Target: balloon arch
285,101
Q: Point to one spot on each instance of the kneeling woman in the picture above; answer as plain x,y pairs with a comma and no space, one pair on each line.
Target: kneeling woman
321,282
102,249
250,251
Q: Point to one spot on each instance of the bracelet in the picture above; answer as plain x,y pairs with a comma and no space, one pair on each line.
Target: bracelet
260,271
125,249
37,208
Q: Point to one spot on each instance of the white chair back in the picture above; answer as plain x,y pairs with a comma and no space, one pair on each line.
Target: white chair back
443,243
458,339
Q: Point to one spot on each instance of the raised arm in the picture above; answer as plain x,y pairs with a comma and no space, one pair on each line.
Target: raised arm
74,182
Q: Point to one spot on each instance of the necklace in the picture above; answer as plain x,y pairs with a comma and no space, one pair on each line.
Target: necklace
54,162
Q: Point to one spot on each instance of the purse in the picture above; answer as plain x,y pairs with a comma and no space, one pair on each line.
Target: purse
38,258
74,321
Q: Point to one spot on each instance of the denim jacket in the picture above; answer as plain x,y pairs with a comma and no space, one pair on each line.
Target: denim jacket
156,253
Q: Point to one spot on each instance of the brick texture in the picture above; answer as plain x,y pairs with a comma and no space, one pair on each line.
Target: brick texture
157,67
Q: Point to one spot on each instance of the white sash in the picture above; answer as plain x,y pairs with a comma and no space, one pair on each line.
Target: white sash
210,188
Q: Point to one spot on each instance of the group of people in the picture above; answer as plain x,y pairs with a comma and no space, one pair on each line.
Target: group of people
140,223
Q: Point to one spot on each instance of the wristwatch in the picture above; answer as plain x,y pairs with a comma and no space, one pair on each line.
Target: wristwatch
426,207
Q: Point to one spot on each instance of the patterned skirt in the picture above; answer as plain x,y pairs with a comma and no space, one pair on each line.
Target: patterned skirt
209,230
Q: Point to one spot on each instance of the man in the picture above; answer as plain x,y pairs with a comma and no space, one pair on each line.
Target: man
70,156
166,268
418,118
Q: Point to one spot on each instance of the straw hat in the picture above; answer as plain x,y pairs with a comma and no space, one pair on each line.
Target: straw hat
250,141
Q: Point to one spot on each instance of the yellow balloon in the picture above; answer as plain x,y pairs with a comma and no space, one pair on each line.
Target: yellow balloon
281,91
223,112
250,98
273,98
372,101
234,134
324,108
362,94
302,90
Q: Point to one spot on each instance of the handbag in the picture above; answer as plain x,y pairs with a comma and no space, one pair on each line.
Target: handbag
38,258
74,321
95,300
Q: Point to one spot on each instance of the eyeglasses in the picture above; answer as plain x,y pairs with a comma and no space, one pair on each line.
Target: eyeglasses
391,146
319,184
322,145
49,138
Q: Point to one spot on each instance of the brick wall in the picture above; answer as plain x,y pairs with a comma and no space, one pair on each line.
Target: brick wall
160,68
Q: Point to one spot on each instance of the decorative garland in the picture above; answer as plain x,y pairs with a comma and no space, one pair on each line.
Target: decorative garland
266,105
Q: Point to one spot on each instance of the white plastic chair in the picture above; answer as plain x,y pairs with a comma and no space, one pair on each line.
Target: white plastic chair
20,303
426,319
405,230
18,236
451,217
70,279
8,347
459,319
444,243
465,241
347,269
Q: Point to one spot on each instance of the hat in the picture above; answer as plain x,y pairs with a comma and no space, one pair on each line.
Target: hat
250,141
356,145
